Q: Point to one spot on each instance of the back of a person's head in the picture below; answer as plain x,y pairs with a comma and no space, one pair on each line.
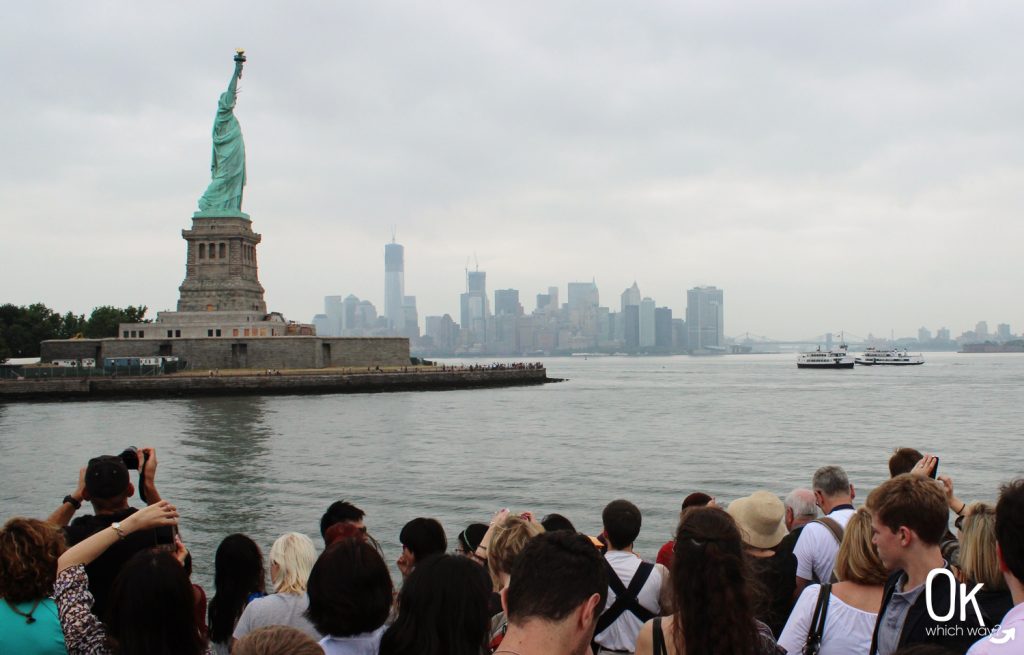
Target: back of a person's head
237,572
29,549
507,541
340,511
553,575
442,610
978,559
1010,527
696,499
621,520
470,538
553,522
107,483
294,554
423,537
801,502
340,531
276,640
709,581
831,481
349,589
857,560
915,502
903,461
152,608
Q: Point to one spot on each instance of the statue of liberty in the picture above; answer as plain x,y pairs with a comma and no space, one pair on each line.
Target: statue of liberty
228,166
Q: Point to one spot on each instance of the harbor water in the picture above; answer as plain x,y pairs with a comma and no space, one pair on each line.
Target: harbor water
649,429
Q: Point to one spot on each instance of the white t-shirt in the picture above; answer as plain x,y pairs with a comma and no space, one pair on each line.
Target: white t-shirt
367,643
621,635
276,609
816,548
847,629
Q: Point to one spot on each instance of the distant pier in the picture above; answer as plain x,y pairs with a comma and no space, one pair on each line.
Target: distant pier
274,382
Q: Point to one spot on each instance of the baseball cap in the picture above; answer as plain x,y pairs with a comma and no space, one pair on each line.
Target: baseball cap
106,477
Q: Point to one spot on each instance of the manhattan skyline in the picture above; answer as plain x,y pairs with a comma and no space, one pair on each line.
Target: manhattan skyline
854,166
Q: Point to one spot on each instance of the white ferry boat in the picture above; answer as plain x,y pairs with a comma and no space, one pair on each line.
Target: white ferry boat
874,356
835,358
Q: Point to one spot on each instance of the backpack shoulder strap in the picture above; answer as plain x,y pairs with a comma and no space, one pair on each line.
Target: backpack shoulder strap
833,527
625,597
659,638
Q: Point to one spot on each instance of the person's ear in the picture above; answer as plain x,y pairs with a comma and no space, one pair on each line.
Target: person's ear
1003,568
131,490
589,612
905,535
853,492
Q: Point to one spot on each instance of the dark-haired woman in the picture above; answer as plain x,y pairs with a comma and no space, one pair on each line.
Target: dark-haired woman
442,610
238,577
152,609
350,593
420,538
29,624
713,610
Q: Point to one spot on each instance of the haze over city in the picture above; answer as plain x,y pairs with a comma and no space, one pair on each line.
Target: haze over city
850,166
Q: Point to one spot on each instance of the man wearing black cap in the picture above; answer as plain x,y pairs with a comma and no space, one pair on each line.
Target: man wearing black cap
105,483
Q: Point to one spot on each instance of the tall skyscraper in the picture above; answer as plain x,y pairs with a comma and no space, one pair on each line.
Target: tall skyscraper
629,303
411,329
663,337
583,295
333,312
506,303
647,317
475,306
630,296
705,318
394,285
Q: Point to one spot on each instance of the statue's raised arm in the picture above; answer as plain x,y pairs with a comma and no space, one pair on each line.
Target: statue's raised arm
227,171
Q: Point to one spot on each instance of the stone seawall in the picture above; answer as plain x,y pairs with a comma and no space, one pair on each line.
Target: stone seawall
262,384
244,352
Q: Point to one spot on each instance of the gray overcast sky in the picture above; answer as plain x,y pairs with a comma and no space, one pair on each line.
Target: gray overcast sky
831,165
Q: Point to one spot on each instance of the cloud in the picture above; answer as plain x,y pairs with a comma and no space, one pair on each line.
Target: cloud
852,164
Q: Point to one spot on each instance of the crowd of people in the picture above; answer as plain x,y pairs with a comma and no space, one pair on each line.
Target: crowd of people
807,573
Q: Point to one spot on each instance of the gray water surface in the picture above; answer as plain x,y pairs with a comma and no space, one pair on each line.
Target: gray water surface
648,429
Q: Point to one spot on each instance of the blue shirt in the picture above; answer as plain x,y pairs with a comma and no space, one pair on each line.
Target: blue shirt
42,637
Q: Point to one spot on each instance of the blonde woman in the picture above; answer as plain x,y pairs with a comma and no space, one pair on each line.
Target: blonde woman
979,563
291,559
508,538
853,605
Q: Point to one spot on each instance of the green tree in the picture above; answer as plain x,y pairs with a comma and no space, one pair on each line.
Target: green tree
23,328
72,326
104,320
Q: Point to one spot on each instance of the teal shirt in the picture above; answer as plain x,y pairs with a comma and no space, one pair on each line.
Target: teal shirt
43,637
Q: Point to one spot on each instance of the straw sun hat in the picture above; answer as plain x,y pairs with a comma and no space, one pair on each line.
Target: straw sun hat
761,518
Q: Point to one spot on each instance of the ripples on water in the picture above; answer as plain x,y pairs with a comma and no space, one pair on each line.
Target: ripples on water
647,429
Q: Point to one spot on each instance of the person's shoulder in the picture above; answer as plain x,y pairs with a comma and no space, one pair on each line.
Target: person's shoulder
811,533
645,638
810,591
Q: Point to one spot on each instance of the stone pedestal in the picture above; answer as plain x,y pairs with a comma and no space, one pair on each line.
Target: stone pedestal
221,271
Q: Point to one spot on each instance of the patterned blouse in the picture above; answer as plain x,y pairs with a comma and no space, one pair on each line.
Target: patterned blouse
84,634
